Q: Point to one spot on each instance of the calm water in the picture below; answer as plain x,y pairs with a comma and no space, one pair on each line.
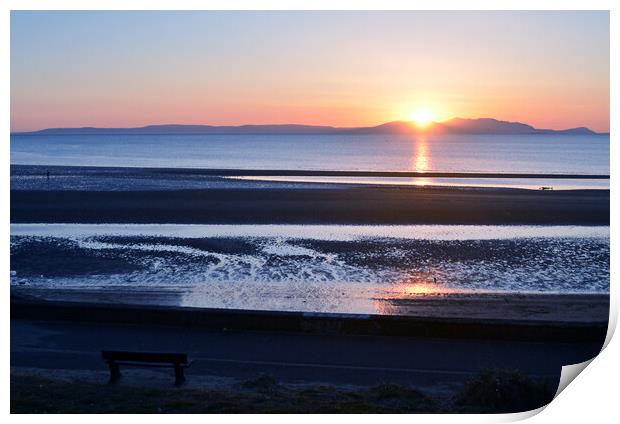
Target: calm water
309,268
448,153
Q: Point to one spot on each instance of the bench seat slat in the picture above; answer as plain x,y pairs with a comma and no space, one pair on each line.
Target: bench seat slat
151,364
153,357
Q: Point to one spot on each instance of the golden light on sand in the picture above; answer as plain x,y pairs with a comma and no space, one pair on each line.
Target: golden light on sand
422,117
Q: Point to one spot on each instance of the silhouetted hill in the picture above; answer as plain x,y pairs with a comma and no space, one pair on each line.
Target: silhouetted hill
452,126
485,126
192,129
576,131
396,127
493,126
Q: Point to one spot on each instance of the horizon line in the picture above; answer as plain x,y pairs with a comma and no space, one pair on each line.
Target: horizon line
408,121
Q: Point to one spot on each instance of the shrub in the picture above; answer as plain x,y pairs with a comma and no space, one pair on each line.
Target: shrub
502,391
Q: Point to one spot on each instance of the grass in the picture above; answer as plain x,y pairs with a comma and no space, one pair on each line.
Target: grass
490,391
504,391
30,394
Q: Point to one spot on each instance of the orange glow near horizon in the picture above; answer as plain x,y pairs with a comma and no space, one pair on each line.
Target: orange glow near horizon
343,106
267,67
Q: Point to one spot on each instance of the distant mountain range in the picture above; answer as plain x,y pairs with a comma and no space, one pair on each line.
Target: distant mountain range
452,126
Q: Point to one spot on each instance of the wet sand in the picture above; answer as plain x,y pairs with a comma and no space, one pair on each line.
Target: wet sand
142,195
356,205
340,205
509,307
583,308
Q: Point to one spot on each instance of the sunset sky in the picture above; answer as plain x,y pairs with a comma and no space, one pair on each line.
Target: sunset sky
127,69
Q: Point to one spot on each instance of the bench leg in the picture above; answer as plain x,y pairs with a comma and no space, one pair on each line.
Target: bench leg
115,372
179,375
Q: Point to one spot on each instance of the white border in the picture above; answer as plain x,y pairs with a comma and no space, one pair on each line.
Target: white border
590,399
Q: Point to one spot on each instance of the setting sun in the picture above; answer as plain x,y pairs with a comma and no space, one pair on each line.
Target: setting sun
422,117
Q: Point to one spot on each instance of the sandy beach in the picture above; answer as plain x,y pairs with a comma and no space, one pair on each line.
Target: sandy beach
107,195
123,195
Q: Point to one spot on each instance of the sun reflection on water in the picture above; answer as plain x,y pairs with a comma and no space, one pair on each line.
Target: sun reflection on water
420,161
398,299
421,287
421,182
421,158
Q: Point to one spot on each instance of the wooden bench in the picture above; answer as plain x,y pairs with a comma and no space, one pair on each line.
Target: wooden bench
114,359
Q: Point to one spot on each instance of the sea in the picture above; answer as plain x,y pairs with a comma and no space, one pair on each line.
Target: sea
554,154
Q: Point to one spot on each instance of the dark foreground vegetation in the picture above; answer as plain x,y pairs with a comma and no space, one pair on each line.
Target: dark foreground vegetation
492,391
